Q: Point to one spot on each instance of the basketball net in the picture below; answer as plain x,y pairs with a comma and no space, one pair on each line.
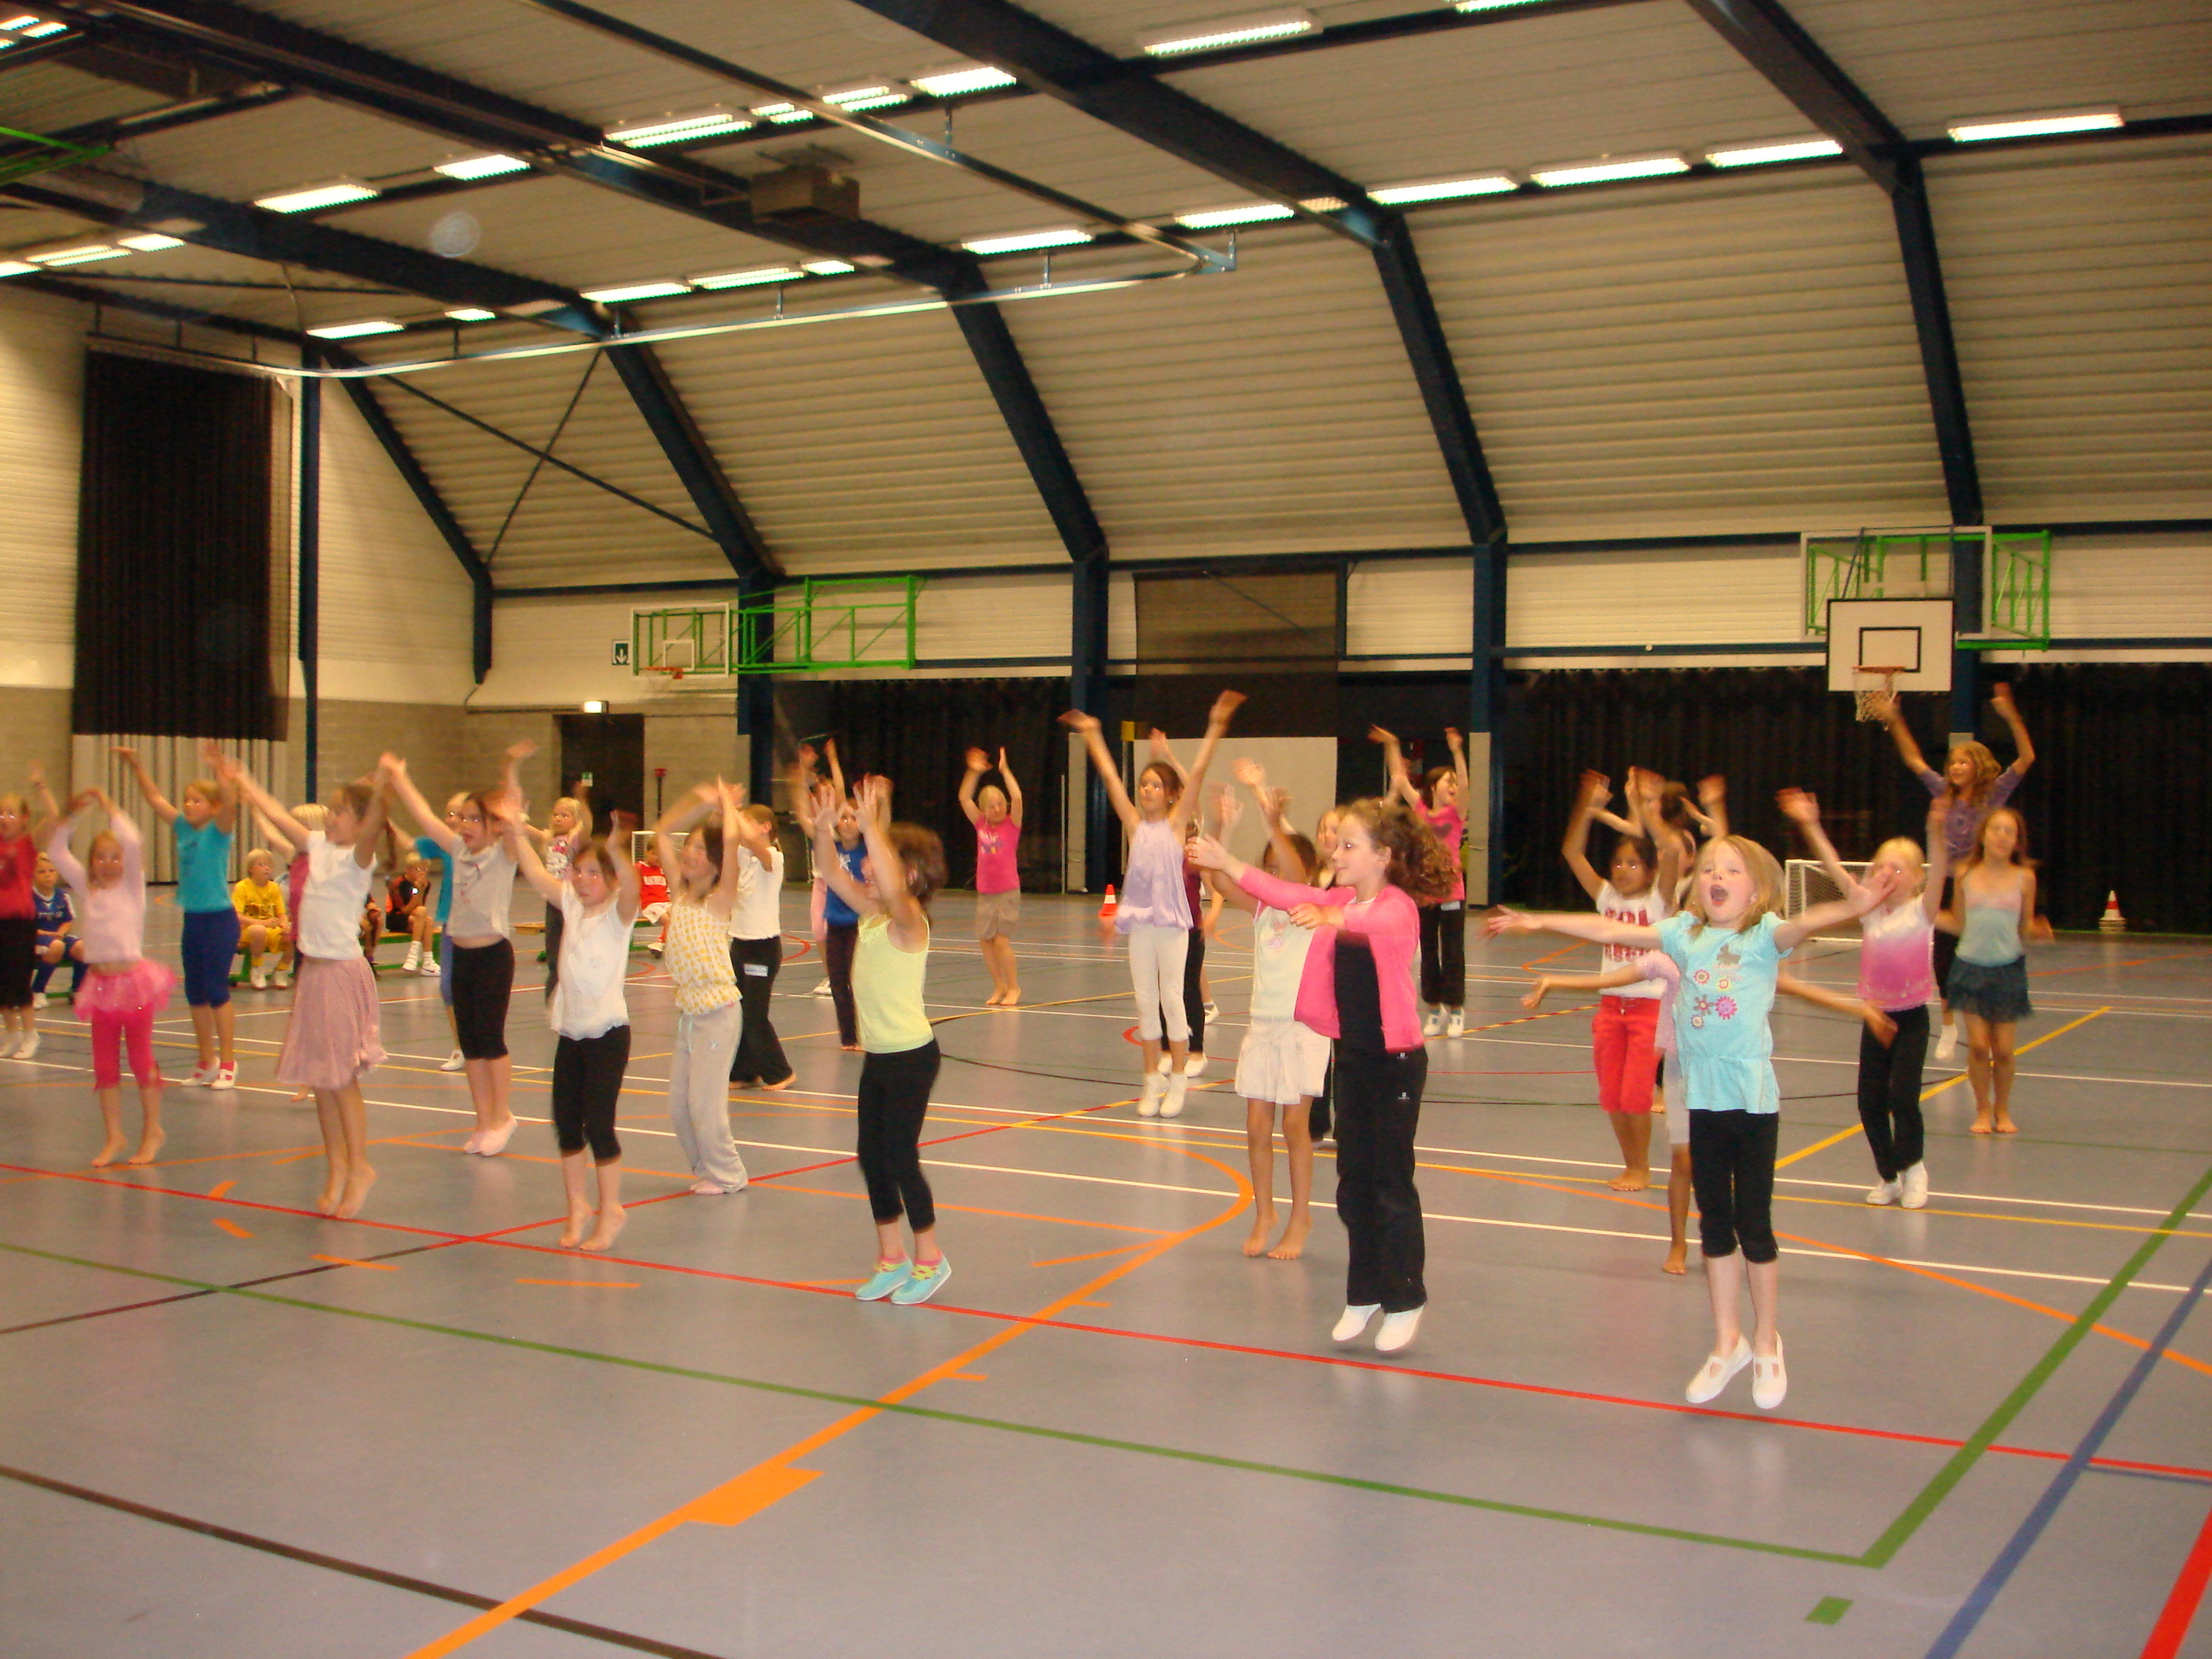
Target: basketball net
1875,690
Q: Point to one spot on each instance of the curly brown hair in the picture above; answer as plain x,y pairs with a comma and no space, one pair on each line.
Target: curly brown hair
1420,863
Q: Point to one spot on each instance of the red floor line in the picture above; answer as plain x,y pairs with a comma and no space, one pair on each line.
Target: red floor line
2180,1609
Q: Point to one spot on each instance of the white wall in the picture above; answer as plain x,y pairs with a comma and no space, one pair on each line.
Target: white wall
42,411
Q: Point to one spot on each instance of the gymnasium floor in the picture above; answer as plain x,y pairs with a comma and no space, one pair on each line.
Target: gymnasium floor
233,1428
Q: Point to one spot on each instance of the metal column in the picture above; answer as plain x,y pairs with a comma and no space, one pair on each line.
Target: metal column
311,558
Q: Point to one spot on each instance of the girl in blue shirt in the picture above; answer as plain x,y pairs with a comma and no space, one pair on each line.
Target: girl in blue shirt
1727,942
204,822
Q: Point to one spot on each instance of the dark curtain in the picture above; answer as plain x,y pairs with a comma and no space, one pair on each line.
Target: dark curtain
917,732
180,631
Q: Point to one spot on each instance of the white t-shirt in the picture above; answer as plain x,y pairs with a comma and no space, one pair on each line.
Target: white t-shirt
1279,961
330,903
1647,909
758,911
588,1002
484,892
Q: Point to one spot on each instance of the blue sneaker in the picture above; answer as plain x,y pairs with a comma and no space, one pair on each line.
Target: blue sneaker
921,1283
885,1280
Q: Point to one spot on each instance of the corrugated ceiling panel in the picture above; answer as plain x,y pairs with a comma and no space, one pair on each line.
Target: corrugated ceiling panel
1410,607
1620,80
202,279
2131,587
302,141
992,617
1677,596
51,97
41,410
1265,410
1704,358
2080,289
1927,62
872,444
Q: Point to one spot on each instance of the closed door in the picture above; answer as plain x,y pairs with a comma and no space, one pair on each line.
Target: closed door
608,750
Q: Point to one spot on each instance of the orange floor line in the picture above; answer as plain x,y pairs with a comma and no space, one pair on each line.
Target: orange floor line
585,1284
232,1227
1088,1255
220,1187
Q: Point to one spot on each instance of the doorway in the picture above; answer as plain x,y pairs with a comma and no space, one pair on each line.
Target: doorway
608,750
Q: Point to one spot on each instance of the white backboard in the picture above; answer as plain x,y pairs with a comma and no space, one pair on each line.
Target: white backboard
1912,634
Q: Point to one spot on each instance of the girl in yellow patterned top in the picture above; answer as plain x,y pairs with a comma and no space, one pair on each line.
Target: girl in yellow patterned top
259,902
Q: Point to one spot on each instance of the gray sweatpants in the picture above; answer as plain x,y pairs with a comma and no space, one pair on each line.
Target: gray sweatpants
699,1095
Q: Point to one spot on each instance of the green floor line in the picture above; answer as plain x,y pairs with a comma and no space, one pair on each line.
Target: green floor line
1066,1435
1829,1610
1884,1548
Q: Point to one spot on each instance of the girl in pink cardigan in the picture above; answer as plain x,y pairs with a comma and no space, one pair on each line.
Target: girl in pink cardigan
1357,987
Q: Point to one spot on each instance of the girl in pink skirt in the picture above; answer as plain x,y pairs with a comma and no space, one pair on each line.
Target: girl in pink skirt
124,992
332,1039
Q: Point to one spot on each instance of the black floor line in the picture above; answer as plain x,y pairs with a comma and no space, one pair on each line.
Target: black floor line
353,1569
194,1295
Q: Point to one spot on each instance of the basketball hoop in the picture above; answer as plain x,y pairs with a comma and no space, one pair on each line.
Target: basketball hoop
1876,690
674,669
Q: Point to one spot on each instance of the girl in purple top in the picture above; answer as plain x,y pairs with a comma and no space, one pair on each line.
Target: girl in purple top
1154,913
997,815
1968,789
1439,801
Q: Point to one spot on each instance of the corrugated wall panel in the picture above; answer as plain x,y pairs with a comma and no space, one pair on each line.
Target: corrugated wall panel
1265,410
1121,618
1673,596
1410,607
42,411
557,653
2081,288
1711,358
992,617
2131,587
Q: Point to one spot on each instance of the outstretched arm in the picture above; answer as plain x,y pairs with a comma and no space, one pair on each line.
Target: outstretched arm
1804,811
372,821
1458,747
273,811
978,763
1892,717
1596,929
162,809
1217,726
1576,848
909,922
619,827
1811,920
2001,699
1611,980
738,831
226,795
1712,795
1102,762
508,817
1013,791
690,807
1883,1027
1393,762
433,826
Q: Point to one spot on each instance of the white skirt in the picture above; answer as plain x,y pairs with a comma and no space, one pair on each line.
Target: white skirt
1282,1062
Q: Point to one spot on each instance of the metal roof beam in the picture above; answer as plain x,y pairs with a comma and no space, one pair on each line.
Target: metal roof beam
657,400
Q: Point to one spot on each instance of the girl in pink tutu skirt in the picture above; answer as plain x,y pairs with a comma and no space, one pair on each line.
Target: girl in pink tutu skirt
124,992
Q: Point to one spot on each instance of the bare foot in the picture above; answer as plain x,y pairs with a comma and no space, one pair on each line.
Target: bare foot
333,1190
992,1000
1981,1124
1012,998
575,1230
2005,1125
1292,1243
783,1084
1263,1222
612,1219
1678,1259
150,1146
1631,1181
358,1184
110,1151
850,1048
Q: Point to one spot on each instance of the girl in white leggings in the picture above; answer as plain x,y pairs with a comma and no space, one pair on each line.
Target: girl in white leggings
1154,912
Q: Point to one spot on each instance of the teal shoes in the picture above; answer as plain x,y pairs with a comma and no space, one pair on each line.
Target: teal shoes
885,1280
922,1282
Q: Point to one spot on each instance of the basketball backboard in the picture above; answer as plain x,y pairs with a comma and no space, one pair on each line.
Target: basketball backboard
1911,635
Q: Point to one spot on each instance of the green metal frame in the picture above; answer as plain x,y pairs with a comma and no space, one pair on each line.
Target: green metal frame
841,621
2015,593
707,626
50,153
1899,564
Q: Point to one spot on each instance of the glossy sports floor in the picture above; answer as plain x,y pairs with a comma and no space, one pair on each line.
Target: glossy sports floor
232,1427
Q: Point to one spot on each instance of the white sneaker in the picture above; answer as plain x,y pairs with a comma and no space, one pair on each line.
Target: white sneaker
414,960
453,1062
1212,1011
1456,1024
283,981
1397,1330
1770,1380
1354,1321
1887,1192
821,990
1148,1103
1947,1043
1434,1024
225,1077
1193,1066
1914,1182
30,1047
429,968
201,1077
260,978
1713,1375
38,999
1171,1105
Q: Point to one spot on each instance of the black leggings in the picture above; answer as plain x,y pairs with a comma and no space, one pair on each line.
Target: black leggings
587,1080
1193,999
1443,954
19,955
1378,1109
839,939
1947,943
759,1057
894,1099
1319,1114
1889,1090
553,921
482,978
1732,1170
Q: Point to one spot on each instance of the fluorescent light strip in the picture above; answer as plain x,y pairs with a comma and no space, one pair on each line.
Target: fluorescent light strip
307,197
1794,150
1606,169
1445,190
482,167
707,123
83,255
2103,118
24,21
355,331
16,268
1228,32
954,79
876,94
152,242
760,278
783,115
44,29
1032,238
1251,212
1490,5
616,296
472,315
828,267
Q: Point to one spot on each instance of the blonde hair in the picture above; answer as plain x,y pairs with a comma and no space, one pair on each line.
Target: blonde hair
1985,768
1909,855
1766,881
581,812
206,789
265,855
984,796
313,816
761,813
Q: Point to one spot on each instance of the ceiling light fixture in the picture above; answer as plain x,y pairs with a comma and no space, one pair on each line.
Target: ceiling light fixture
38,31
1248,213
1067,237
1610,167
954,79
1237,31
828,267
1786,150
472,315
15,268
305,198
1489,5
356,331
23,22
876,94
756,278
624,295
1445,190
2102,119
677,128
482,167
80,253
783,115
152,241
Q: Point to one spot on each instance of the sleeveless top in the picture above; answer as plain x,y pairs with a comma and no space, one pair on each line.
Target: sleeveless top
1991,935
1278,963
887,990
1897,959
1152,894
697,957
589,1002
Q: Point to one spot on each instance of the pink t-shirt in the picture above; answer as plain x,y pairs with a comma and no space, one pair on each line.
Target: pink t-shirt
1450,825
996,868
1897,964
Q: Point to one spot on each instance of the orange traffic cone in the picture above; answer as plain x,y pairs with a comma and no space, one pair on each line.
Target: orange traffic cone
2112,922
1106,910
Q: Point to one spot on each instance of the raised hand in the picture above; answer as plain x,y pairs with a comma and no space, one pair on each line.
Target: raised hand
1712,793
1224,708
1276,804
980,761
1076,720
124,752
1309,916
1378,734
1002,757
1596,790
520,751
1534,998
1227,809
2001,698
1798,805
1208,854
1249,772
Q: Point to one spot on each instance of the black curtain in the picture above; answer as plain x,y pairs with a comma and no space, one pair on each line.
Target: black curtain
917,732
180,627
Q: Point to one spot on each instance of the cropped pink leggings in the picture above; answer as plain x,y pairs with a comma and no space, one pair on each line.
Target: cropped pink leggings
110,1032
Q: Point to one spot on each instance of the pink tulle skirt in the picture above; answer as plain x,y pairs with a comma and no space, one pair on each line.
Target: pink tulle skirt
141,989
332,1038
